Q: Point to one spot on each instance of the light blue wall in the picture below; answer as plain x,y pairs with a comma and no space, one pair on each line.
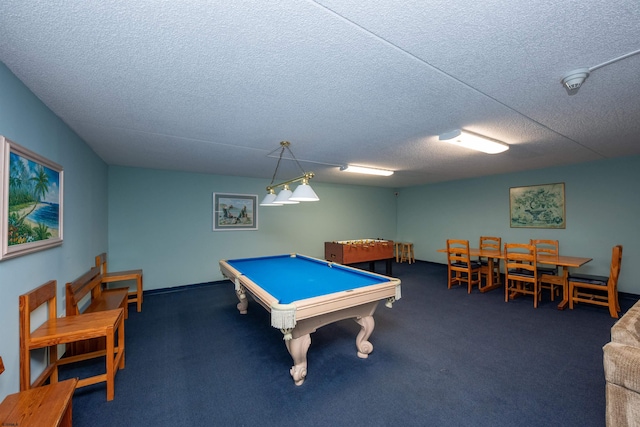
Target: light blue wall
25,120
162,221
602,210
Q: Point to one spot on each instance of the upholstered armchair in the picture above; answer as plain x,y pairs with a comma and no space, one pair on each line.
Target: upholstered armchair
622,370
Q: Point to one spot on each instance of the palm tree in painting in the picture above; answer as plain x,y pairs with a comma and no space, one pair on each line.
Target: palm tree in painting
40,189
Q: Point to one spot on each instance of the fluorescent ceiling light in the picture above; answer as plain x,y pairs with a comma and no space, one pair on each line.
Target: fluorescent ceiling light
474,141
368,171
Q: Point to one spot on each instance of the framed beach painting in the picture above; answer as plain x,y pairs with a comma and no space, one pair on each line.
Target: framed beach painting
234,212
32,201
537,206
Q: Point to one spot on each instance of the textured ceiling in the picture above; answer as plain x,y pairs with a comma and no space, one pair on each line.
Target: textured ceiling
213,87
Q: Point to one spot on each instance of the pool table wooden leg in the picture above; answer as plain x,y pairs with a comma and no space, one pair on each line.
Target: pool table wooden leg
298,348
366,328
244,303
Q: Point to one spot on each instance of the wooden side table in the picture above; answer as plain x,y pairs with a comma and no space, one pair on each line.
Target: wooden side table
49,405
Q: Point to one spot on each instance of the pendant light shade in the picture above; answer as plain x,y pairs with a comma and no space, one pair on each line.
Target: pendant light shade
284,197
304,193
269,199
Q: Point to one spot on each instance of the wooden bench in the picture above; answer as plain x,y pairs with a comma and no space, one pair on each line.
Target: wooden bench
66,330
122,276
49,405
86,295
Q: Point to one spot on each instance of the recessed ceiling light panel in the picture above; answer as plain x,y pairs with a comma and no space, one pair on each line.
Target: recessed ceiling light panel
474,141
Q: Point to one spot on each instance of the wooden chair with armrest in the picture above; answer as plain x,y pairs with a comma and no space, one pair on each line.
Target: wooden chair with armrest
490,267
521,272
598,290
122,276
549,276
55,331
460,266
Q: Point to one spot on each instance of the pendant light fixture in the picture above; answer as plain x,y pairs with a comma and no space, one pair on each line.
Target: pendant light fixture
303,193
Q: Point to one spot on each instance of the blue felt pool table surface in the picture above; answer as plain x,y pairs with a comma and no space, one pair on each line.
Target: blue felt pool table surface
292,278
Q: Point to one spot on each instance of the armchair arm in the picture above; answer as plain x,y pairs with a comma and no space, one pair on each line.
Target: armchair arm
622,365
622,373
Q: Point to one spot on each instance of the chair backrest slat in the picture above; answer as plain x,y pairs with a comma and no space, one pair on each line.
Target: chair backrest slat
85,283
546,247
520,256
488,242
458,251
101,261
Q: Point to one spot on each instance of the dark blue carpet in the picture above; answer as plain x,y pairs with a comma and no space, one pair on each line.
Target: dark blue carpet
441,358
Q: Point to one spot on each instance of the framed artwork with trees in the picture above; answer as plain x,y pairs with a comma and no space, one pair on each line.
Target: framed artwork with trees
31,218
537,206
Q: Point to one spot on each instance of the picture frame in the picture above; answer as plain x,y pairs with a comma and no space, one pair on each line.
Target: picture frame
31,216
537,206
235,212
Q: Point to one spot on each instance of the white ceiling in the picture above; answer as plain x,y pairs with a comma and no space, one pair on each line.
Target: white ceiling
214,86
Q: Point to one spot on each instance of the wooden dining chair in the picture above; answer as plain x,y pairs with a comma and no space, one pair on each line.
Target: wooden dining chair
598,290
460,266
490,266
521,271
548,275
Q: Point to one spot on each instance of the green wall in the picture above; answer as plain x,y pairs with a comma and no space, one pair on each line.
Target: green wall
162,222
25,120
602,210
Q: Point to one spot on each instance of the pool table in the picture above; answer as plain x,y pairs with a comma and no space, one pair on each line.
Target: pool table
303,293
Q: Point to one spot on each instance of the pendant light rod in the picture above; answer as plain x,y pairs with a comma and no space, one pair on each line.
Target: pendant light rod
307,176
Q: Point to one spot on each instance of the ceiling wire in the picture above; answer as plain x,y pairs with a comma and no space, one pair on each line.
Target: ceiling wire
611,61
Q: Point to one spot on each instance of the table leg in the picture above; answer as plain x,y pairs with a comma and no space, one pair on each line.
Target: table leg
244,303
298,348
490,285
366,328
139,293
565,289
110,362
389,264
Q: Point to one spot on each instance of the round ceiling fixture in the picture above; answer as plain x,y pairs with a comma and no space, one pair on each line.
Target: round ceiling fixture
574,79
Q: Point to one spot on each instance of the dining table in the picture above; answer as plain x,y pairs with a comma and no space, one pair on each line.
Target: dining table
564,261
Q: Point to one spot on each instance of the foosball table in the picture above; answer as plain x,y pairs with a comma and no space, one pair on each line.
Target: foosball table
358,251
